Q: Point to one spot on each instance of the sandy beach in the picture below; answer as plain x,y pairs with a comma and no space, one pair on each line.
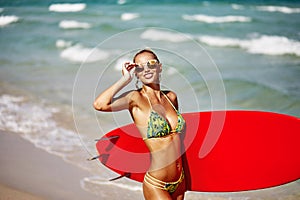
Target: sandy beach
216,55
10,193
27,172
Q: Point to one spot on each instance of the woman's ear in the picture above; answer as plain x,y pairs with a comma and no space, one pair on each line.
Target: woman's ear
160,67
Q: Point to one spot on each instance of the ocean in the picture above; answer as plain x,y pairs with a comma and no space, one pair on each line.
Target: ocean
57,56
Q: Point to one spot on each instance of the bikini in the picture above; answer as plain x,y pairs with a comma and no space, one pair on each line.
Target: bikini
162,185
158,127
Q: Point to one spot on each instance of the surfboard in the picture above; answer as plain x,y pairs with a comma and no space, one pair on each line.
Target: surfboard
224,151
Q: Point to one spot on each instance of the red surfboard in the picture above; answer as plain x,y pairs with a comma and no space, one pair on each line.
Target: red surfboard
225,151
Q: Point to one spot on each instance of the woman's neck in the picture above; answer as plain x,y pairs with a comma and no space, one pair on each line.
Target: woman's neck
153,89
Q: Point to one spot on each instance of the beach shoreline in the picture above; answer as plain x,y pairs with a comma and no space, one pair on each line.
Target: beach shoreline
11,193
216,55
27,170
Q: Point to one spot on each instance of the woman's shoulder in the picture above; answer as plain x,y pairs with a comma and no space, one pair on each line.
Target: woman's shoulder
134,96
170,94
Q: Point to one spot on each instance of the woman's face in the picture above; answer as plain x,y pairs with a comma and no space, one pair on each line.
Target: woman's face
147,74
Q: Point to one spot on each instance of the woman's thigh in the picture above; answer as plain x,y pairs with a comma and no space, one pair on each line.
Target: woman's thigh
152,193
179,193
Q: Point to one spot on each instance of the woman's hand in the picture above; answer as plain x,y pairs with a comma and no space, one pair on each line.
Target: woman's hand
126,71
106,100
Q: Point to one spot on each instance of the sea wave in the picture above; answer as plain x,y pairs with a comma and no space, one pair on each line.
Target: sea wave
72,24
159,35
216,19
282,9
35,122
237,7
129,16
264,44
67,7
63,43
121,189
79,53
1,10
119,63
121,2
5,20
99,180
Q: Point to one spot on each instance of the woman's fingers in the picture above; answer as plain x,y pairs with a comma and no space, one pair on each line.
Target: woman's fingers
126,70
130,66
124,67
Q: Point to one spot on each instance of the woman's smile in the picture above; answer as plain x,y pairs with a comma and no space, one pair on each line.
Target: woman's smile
148,75
155,130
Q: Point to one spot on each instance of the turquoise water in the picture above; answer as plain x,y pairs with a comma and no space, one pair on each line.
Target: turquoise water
216,55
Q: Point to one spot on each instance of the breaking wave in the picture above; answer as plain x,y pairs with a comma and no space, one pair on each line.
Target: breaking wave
79,53
158,35
67,7
216,19
35,122
282,9
6,20
264,44
129,16
72,24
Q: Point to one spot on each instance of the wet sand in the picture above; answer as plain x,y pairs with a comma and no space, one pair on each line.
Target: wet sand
27,172
7,193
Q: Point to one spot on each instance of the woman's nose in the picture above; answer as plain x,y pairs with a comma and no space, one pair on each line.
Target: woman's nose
146,69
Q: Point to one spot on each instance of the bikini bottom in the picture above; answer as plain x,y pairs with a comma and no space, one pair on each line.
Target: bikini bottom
167,186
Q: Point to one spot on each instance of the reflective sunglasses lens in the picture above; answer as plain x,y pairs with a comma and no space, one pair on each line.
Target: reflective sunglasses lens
139,69
151,64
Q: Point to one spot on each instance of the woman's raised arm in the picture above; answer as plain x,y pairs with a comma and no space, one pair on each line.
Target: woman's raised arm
106,101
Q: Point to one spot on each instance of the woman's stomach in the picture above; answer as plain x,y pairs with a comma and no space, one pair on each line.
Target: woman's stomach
166,161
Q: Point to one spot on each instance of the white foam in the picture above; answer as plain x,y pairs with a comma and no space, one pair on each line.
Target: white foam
264,44
159,35
237,7
79,53
67,7
274,45
129,16
216,19
72,24
121,2
99,181
220,41
171,71
35,123
282,9
120,62
63,43
5,20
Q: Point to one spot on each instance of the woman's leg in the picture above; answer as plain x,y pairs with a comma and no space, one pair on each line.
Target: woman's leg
179,193
153,193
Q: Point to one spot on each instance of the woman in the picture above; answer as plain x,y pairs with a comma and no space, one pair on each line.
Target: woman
156,116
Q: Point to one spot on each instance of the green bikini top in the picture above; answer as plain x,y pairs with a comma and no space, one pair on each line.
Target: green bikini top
158,126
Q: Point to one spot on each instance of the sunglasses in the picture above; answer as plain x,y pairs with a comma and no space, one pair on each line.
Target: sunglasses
151,64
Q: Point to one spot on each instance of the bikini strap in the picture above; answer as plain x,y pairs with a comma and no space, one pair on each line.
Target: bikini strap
148,100
165,97
169,101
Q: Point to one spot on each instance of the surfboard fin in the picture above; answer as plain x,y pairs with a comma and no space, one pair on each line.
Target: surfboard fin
93,158
108,138
127,174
